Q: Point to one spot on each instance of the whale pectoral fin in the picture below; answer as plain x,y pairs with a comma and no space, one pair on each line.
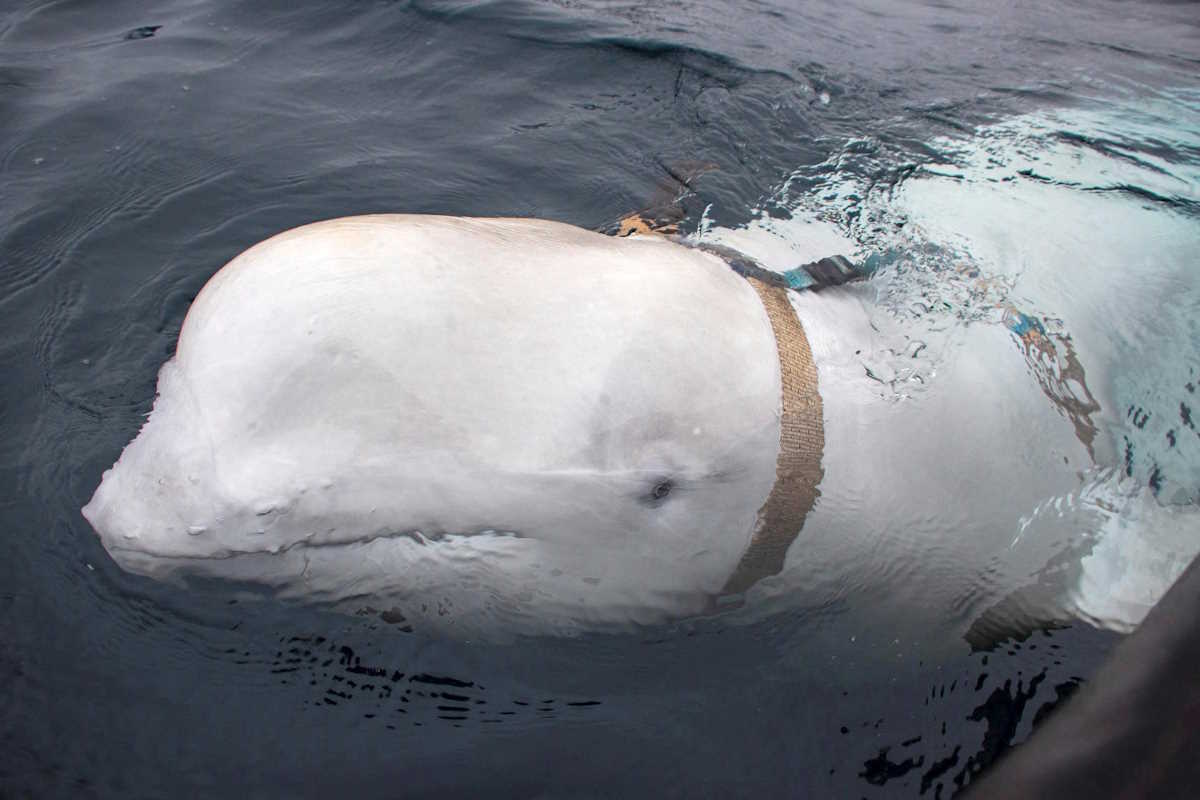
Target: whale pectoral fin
1024,612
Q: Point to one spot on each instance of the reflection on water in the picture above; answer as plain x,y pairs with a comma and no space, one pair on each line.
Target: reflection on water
340,677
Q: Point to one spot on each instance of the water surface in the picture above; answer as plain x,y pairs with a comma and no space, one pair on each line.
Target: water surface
1053,147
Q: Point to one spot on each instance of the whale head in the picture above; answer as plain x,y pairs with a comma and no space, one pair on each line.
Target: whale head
514,419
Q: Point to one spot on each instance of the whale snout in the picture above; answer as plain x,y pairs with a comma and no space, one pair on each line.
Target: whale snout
158,499
136,520
157,503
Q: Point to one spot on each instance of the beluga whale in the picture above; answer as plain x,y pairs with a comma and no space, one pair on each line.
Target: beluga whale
518,426
515,422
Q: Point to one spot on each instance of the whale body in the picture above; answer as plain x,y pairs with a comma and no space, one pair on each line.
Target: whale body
511,426
487,419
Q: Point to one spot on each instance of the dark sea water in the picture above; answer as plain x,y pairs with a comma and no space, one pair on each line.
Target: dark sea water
142,146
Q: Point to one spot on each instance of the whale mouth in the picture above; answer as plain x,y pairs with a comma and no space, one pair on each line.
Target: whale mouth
123,553
286,570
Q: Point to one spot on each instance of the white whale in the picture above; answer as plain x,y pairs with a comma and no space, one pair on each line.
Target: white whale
519,426
487,419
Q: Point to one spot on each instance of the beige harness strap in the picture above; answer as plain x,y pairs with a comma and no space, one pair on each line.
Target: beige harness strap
798,469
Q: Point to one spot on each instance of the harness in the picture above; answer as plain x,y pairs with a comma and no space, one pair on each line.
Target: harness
798,470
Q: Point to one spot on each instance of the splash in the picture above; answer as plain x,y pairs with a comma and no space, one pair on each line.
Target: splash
1075,230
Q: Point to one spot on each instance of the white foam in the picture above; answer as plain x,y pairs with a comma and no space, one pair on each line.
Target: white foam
1078,217
782,244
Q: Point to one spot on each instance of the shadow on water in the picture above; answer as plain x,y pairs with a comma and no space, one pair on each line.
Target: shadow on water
395,696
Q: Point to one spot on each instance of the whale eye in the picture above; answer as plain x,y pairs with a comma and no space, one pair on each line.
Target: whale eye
659,492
